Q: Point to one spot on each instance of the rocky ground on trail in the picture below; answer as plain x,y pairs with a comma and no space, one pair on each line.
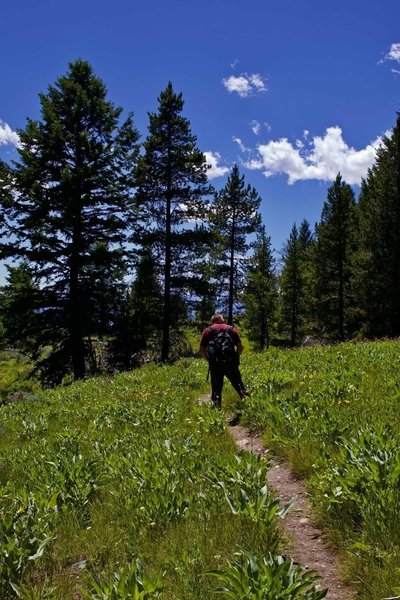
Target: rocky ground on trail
306,540
306,543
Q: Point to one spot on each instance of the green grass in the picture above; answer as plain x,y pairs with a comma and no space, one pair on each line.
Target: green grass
126,482
16,381
112,471
333,412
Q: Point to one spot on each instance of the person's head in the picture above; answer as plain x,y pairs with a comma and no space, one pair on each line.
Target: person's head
217,318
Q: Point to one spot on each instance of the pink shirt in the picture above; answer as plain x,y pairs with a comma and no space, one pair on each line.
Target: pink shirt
208,334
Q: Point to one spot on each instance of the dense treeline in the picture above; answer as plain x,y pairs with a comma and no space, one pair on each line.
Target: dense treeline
115,245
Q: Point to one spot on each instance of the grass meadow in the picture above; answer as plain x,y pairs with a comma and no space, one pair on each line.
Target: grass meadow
333,413
125,488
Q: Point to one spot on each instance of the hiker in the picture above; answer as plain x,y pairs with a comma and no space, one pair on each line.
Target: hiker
220,344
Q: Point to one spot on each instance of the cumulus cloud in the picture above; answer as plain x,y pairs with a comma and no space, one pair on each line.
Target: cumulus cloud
394,53
7,135
323,158
245,84
214,169
257,81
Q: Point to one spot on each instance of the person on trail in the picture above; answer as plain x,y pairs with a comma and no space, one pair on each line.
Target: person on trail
220,344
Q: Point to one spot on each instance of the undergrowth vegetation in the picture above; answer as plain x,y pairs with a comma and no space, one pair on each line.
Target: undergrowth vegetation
125,488
333,412
16,380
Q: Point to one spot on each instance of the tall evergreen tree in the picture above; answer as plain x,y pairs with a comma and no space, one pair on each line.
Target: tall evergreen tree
6,192
172,187
335,245
145,303
295,283
74,183
18,309
260,295
139,320
306,236
307,319
378,257
206,306
234,216
103,286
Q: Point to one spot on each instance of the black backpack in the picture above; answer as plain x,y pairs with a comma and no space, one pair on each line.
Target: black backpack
221,349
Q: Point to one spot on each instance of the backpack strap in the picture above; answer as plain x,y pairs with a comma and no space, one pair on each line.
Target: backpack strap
212,330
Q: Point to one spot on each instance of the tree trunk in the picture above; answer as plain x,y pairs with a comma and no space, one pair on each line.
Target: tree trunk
293,335
167,287
77,347
167,266
342,251
231,270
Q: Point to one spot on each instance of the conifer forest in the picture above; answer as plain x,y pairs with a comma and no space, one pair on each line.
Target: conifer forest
113,243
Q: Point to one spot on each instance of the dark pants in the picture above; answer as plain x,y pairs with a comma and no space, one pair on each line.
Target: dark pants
231,372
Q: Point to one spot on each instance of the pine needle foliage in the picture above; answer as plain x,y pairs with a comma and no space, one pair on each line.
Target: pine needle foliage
72,190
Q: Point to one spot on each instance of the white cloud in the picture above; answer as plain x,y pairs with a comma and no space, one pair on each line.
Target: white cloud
394,53
239,142
257,81
325,157
214,169
235,63
255,127
7,135
245,84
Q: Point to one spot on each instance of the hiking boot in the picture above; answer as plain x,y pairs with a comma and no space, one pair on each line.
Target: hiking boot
216,401
235,420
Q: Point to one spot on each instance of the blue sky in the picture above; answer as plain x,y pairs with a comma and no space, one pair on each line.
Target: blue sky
293,91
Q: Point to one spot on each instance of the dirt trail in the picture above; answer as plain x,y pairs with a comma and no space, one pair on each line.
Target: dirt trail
306,541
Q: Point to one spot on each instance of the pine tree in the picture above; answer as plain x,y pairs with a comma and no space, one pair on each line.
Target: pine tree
207,291
234,216
18,309
294,283
172,187
260,295
307,302
378,258
334,249
139,322
6,191
146,304
74,184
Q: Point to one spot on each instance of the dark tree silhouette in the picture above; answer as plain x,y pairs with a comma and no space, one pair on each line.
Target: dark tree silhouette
172,187
234,216
335,244
73,190
261,293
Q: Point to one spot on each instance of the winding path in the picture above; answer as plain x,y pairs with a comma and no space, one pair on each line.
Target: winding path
306,540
